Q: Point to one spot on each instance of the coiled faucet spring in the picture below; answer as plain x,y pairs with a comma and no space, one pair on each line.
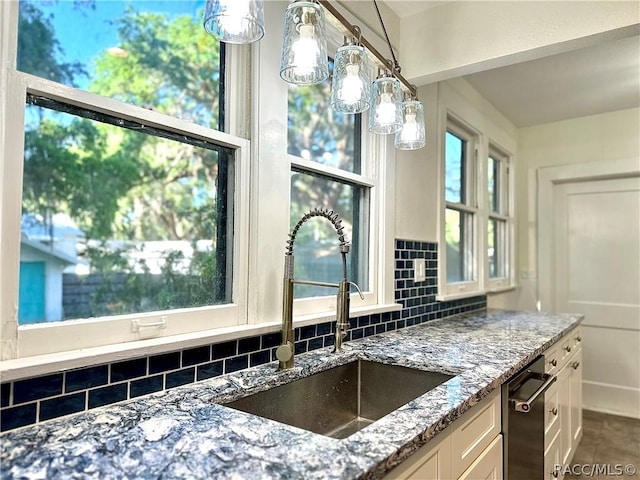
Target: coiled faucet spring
285,351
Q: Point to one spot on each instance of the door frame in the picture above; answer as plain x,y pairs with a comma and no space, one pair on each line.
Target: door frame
548,178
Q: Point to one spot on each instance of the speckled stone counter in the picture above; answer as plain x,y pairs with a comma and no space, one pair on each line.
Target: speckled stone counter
186,433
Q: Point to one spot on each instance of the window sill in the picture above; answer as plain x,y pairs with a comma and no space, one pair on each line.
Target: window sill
502,289
58,362
458,296
304,320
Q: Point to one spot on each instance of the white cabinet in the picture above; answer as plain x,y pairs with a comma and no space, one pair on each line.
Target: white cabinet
575,382
564,400
488,466
469,448
431,462
566,397
552,458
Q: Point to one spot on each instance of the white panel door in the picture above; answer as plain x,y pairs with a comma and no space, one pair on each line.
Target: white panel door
597,273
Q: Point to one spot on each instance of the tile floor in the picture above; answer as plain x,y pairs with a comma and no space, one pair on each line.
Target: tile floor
608,439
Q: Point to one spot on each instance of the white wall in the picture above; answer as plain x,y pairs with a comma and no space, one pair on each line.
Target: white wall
601,138
462,37
418,171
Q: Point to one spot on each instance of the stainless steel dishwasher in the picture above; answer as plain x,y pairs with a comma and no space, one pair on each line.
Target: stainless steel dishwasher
523,422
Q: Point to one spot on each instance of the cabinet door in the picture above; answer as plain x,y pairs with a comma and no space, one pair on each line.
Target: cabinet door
575,380
552,459
474,431
431,462
564,405
551,414
488,466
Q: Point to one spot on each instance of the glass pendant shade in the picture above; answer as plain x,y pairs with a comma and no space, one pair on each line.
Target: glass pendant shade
385,116
351,84
235,21
412,135
304,50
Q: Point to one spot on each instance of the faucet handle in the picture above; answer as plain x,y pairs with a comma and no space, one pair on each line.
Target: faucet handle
284,352
358,289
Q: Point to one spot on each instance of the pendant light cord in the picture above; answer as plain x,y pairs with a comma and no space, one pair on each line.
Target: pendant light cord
396,65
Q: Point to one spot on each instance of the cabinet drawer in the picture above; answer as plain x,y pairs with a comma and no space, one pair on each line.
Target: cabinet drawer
551,414
488,465
565,352
476,430
576,338
552,359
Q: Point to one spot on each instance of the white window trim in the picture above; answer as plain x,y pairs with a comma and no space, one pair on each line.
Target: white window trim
271,203
502,284
261,208
451,291
483,145
53,337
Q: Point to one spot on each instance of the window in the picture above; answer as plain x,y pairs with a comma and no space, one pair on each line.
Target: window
123,171
460,212
327,166
139,213
499,218
153,54
476,214
129,198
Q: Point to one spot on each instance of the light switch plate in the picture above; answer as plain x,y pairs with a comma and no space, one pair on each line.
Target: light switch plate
419,270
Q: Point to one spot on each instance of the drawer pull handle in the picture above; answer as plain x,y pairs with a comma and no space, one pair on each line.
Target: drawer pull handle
578,338
554,410
575,365
554,474
553,362
567,348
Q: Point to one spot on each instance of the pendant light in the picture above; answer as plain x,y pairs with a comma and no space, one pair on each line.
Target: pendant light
304,50
351,84
412,135
385,116
235,21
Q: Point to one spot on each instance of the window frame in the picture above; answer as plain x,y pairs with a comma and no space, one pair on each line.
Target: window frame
47,338
257,131
470,205
313,305
271,214
505,214
481,132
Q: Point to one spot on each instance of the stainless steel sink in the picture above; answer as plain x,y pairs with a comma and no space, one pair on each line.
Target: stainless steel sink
342,400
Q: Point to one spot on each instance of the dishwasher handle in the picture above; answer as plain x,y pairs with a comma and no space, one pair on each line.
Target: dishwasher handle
524,406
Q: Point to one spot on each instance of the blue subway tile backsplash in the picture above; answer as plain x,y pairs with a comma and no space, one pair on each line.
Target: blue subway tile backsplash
37,388
107,395
164,362
85,378
5,394
28,401
145,385
128,369
20,416
63,405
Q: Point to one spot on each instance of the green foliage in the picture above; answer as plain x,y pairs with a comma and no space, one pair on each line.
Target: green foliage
38,47
128,184
165,67
67,169
129,286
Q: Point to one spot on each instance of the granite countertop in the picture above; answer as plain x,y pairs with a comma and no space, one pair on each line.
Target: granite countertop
185,433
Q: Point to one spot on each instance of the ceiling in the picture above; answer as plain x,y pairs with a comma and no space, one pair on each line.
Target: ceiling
601,78
405,8
592,80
